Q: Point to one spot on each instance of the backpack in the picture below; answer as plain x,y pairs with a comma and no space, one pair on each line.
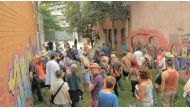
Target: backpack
116,72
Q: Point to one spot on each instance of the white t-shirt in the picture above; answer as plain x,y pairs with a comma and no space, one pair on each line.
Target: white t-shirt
51,68
60,98
137,55
80,52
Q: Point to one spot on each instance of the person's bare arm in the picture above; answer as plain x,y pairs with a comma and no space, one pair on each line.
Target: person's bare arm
68,96
163,76
140,97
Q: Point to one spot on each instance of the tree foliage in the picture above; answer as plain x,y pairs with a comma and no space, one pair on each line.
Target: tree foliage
50,22
84,14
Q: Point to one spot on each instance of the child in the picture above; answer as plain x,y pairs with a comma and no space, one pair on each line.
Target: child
106,97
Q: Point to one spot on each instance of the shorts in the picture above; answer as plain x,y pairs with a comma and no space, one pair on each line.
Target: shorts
168,98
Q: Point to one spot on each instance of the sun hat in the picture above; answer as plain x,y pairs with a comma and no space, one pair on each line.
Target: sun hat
43,53
94,65
113,56
168,55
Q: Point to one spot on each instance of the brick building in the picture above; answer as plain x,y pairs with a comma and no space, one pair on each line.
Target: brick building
117,41
153,24
18,32
156,24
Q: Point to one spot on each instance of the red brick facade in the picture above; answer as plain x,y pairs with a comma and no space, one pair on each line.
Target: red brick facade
18,44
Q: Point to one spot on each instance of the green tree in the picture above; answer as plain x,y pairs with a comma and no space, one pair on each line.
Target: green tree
50,21
83,15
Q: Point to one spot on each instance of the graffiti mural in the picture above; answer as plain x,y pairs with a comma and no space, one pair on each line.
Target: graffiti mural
17,91
150,40
181,58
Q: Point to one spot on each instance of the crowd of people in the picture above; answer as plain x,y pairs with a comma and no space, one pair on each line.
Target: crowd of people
101,73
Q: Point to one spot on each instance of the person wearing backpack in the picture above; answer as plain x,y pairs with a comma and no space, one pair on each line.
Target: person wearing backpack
115,71
59,90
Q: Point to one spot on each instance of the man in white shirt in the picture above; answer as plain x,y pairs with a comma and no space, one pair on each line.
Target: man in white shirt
137,55
51,67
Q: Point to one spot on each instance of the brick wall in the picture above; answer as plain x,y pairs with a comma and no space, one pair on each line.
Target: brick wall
17,46
118,25
161,24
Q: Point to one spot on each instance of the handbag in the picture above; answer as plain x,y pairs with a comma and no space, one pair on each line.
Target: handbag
53,96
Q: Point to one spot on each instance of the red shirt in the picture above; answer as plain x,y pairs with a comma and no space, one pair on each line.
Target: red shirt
171,81
41,71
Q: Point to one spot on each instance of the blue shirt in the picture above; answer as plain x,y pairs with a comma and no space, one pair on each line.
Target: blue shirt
73,81
107,100
106,51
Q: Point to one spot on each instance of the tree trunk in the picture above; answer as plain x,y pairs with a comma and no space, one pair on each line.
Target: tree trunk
101,31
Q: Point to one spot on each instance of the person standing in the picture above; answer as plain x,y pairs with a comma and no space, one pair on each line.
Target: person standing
85,72
74,80
62,62
34,77
50,45
126,61
51,67
137,55
161,67
106,97
106,50
40,70
80,52
97,83
75,43
44,59
62,99
144,91
134,75
169,84
116,72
